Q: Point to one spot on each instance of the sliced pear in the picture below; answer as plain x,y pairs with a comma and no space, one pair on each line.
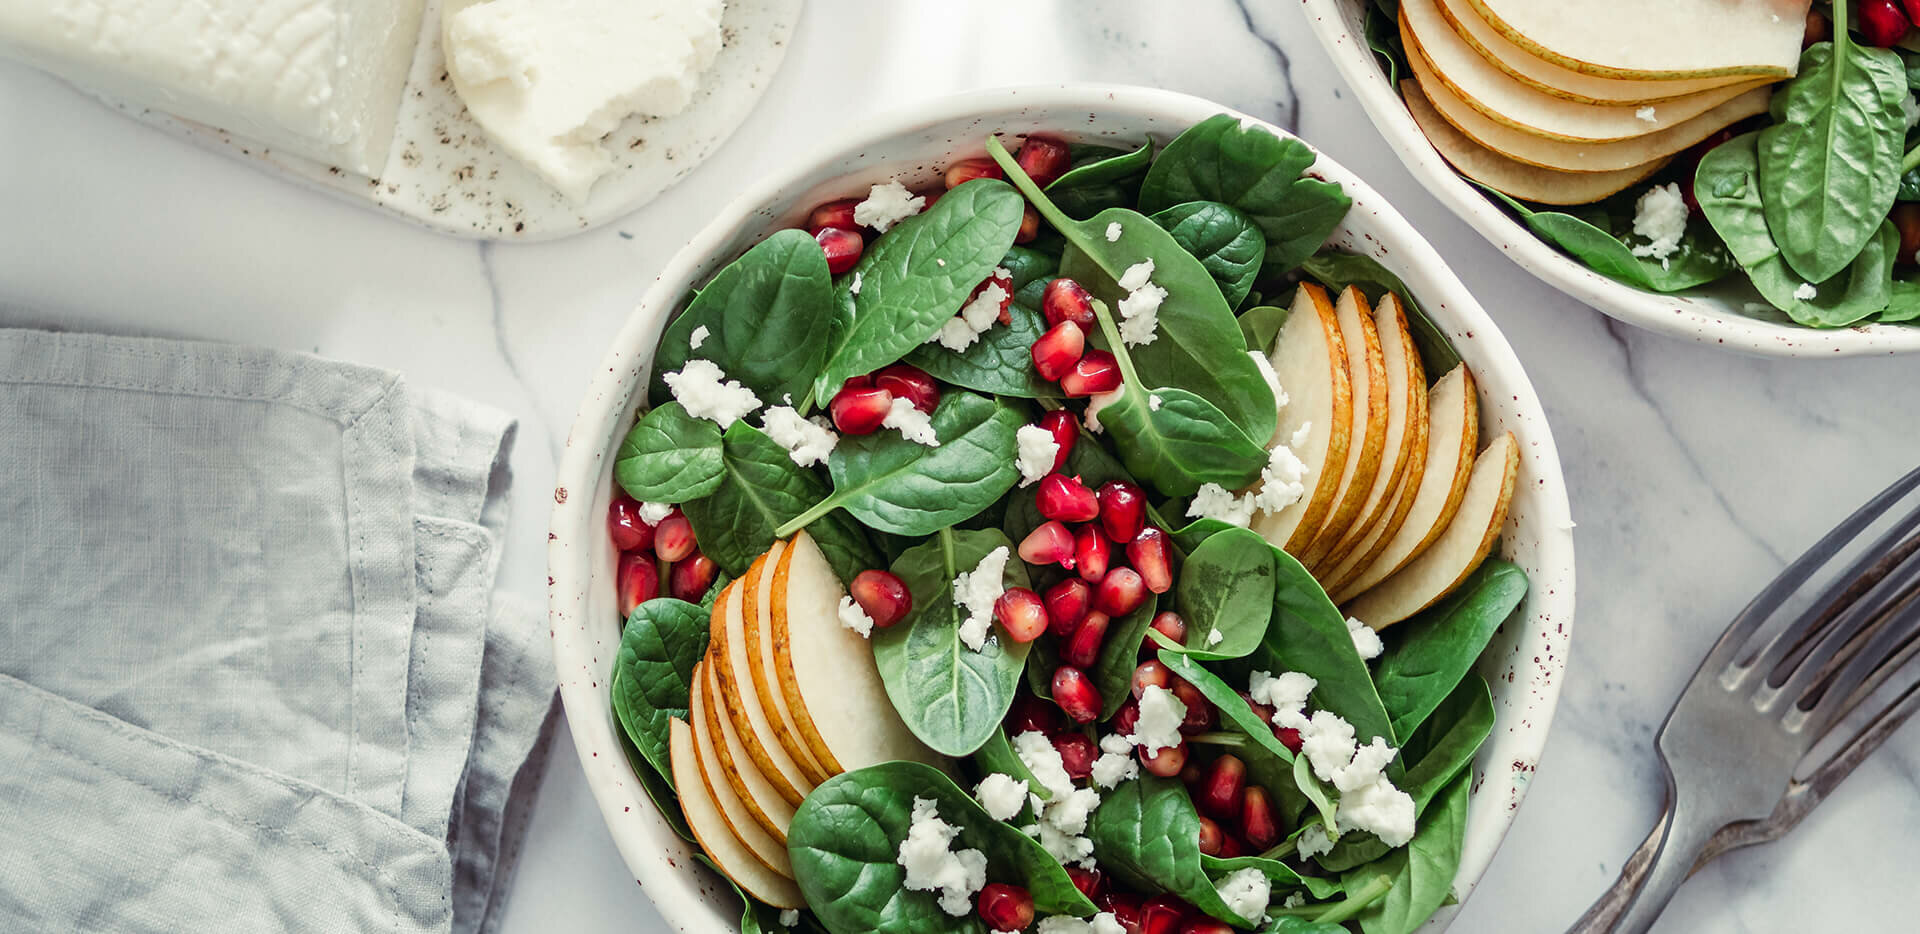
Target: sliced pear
1367,380
1460,549
715,836
733,809
727,654
1523,181
1504,99
1565,82
1453,434
1579,157
764,802
1655,39
758,616
1310,358
1406,428
827,672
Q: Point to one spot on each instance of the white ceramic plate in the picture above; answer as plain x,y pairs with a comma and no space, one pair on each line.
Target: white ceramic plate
443,171
1713,316
1524,666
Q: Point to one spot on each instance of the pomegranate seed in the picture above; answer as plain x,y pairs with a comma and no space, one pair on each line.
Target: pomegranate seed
1289,737
1169,624
1231,847
1029,226
1077,753
966,170
1264,712
1021,613
1191,775
1090,882
1219,795
1256,819
1120,592
1210,925
692,577
834,214
1096,372
1167,762
1055,353
1149,674
1032,714
1906,219
1043,159
1006,907
1006,294
1051,543
1067,300
1881,23
1820,29
1082,648
1210,837
673,538
1127,717
1125,907
1092,552
637,581
1123,510
1149,554
904,380
1075,694
859,410
1066,432
842,246
1200,711
629,532
1065,498
1163,914
1067,604
882,595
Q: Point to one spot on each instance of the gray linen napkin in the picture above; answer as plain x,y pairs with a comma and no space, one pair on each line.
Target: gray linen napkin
253,672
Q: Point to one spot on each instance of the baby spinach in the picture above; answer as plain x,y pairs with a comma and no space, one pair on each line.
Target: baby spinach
1904,302
1444,746
1028,266
950,696
1226,587
669,457
1421,872
1336,271
1269,762
1247,166
760,489
907,488
1288,924
652,781
1101,178
1113,670
1604,241
767,316
1147,834
999,363
653,673
1309,635
997,755
1261,325
917,275
1429,654
1228,243
845,844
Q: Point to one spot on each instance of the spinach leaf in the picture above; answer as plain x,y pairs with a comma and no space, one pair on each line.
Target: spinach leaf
669,457
1113,670
1310,636
1261,326
1445,745
1605,243
1269,762
1109,179
1830,163
1904,303
1422,871
1336,271
767,314
1189,536
1226,588
952,697
1250,168
1909,186
1429,654
1147,834
997,755
1226,242
658,787
918,274
1855,294
653,673
1028,266
907,488
1288,924
845,845
999,363
762,488
1315,792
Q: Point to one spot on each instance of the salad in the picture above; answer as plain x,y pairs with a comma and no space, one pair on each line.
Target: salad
1076,546
1778,163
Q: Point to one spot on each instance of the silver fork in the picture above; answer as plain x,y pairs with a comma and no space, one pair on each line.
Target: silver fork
1811,648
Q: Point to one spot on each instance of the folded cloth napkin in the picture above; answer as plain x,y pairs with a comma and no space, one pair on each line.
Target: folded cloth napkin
253,672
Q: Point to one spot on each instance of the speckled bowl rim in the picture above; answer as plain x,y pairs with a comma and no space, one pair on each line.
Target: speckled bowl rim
1525,665
1702,318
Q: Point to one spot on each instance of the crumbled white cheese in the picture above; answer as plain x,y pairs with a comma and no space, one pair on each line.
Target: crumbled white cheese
1113,232
1001,795
1300,436
1215,637
1213,501
1647,114
1136,276
940,261
979,314
1067,849
932,865
887,205
1246,892
913,424
1289,691
652,513
1368,762
1295,900
1283,481
1660,216
1037,452
1153,403
1068,813
1365,640
698,337
855,618
808,442
1328,743
1098,403
976,590
1140,309
1380,809
1103,923
1063,815
1806,292
1910,111
706,392
790,917
1116,763
1042,760
1265,366
1161,714
1313,841
853,288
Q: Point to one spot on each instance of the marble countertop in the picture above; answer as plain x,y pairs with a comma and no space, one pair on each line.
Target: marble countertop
1694,475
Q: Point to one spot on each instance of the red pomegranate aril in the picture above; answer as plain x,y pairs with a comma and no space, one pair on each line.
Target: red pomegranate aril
1032,714
1150,555
1163,914
1264,712
1820,28
1120,592
1093,553
1191,775
1289,737
1067,604
842,246
1169,624
1006,295
1165,763
1006,907
1055,353
1065,498
1150,674
1090,882
1210,925
673,538
692,577
1067,300
637,581
1125,907
1075,694
1127,717
1230,847
1219,795
1096,372
859,410
629,531
1082,648
1051,543
1123,510
1077,753
1066,432
1210,837
1029,226
906,381
966,170
882,595
834,214
1043,159
1882,23
1906,219
1257,823
1201,714
1021,613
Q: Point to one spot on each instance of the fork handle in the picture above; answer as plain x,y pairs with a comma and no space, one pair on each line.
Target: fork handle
1650,877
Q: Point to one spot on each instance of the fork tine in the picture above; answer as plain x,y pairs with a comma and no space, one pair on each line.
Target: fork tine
1896,624
1829,612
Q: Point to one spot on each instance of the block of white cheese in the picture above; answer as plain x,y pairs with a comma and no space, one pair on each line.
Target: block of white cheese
547,79
318,78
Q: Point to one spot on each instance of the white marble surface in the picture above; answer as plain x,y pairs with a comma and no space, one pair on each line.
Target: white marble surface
1694,475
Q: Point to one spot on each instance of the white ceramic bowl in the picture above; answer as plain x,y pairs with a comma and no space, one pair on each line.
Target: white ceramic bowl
1524,666
1711,316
